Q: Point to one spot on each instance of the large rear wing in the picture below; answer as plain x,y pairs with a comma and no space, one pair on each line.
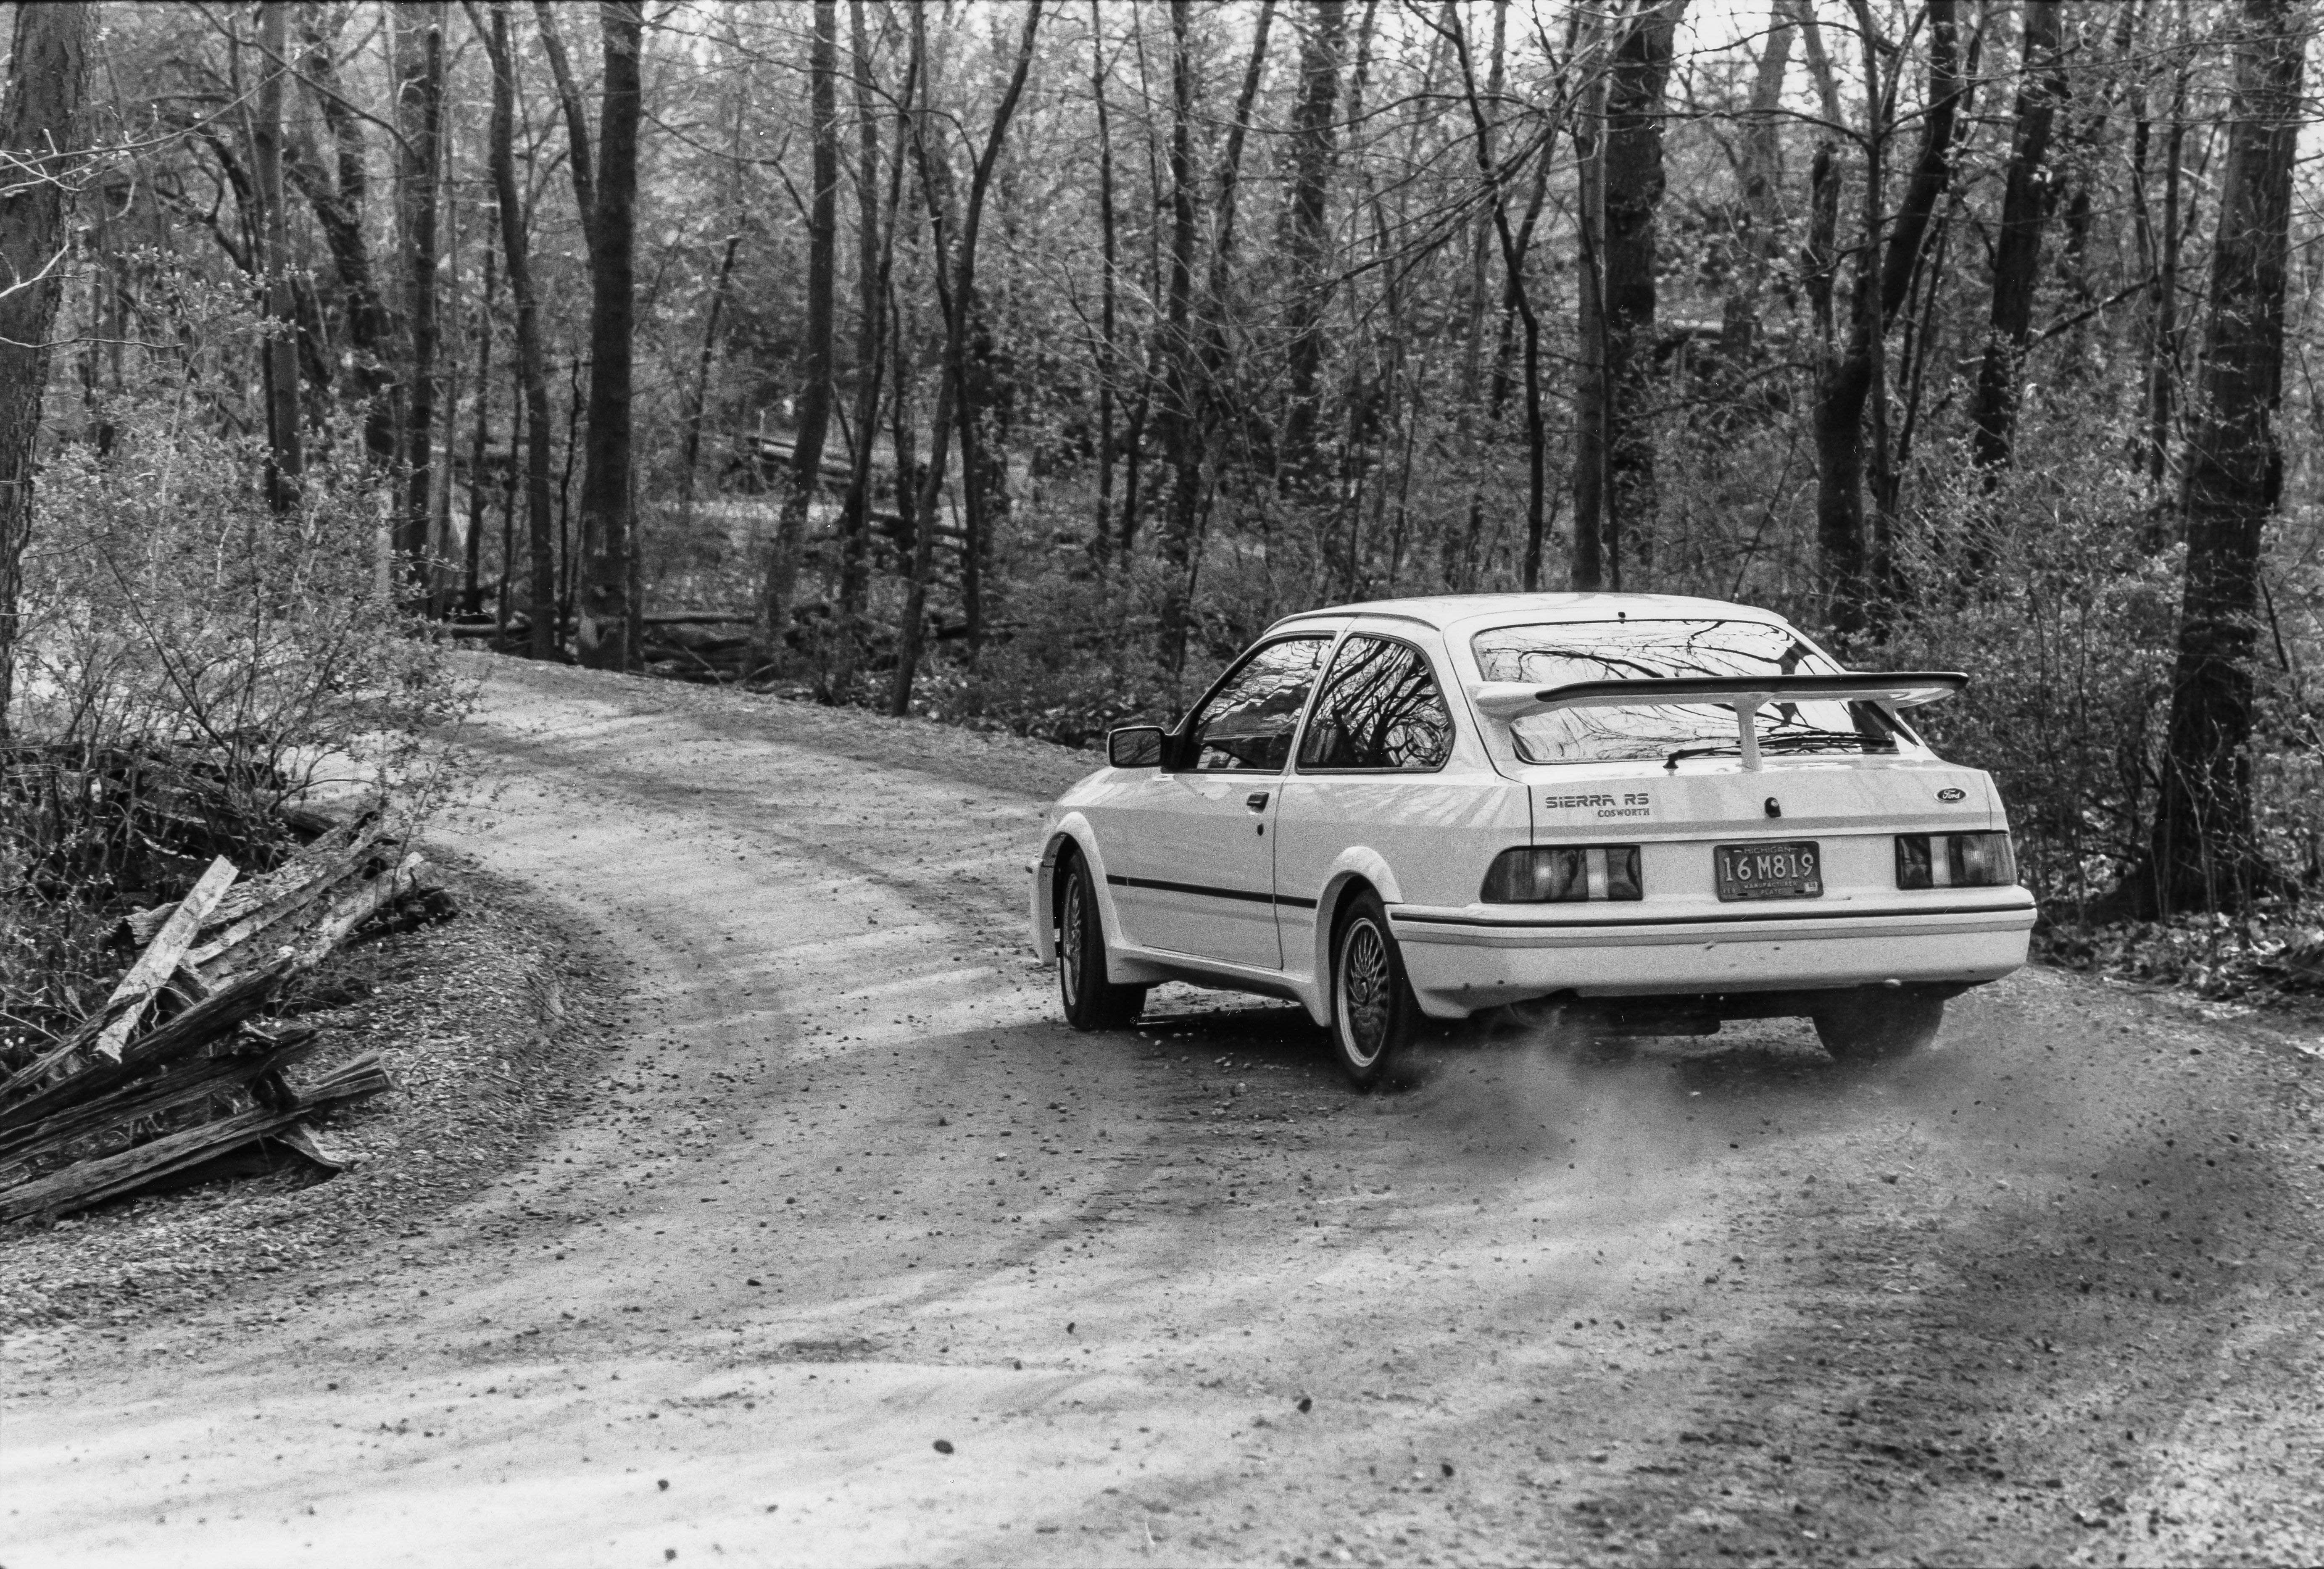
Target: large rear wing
1747,695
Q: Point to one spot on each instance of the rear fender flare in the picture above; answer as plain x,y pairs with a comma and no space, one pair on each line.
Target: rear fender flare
1358,864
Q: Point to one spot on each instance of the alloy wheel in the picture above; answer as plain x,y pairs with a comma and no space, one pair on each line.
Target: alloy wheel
1364,998
1070,942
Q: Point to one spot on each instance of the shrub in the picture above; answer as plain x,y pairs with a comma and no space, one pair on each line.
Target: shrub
191,667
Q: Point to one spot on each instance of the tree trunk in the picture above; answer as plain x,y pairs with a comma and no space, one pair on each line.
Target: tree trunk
1759,176
532,373
40,135
1495,177
1208,352
420,99
577,122
781,580
439,480
338,205
285,458
472,601
873,260
604,622
1312,138
1592,524
1849,568
2017,256
1182,423
697,404
2205,854
1633,197
1102,535
955,299
1819,71
2163,346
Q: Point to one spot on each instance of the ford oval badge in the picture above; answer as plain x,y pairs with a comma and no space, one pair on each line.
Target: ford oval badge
1952,793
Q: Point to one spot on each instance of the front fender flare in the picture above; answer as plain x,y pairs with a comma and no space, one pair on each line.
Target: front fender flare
1074,829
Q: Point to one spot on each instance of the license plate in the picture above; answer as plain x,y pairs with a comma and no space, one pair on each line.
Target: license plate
1786,871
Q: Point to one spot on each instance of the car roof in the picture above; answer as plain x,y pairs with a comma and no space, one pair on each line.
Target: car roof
1451,612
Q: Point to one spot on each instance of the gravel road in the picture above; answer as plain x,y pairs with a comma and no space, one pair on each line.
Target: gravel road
859,1256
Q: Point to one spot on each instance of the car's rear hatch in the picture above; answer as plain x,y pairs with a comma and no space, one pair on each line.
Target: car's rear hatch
1850,809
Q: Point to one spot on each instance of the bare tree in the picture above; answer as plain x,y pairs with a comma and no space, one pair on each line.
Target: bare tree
579,160
419,103
603,626
1758,175
2018,255
285,458
956,290
875,252
1311,280
40,134
815,399
1853,560
338,196
2205,855
532,373
1632,148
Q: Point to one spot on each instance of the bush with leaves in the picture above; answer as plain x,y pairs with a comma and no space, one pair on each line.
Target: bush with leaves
192,667
2066,629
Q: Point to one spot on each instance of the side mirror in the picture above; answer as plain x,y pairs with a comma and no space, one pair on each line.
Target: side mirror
1134,746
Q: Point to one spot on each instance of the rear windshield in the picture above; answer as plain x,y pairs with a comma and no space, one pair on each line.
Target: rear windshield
1560,653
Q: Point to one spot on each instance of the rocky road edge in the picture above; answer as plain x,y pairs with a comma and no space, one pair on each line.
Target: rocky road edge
482,1021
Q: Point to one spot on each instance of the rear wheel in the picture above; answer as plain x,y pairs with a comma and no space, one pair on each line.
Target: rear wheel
1878,1024
1092,1001
1373,1010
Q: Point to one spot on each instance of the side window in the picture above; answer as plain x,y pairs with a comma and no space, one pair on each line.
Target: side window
1380,709
1246,726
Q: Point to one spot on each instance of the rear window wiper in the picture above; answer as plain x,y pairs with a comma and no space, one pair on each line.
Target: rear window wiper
1670,761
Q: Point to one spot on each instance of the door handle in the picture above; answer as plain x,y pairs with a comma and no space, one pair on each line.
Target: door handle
1256,800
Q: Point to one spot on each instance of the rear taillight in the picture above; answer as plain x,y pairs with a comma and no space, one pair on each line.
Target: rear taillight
1955,861
1563,875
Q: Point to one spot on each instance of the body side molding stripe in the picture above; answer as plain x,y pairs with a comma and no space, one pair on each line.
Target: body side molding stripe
1235,893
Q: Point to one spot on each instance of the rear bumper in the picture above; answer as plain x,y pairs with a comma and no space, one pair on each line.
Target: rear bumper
1461,961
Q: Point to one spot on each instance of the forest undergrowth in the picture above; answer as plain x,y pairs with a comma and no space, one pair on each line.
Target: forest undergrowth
194,672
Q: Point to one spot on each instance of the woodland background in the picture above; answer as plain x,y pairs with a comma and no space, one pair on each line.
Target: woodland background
1014,365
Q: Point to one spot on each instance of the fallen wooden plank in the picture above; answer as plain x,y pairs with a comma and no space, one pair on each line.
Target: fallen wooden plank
126,1007
186,1083
254,894
350,1081
351,909
40,1090
93,1181
281,916
313,1143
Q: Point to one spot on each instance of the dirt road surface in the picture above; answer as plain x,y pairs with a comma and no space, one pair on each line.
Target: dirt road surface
860,1257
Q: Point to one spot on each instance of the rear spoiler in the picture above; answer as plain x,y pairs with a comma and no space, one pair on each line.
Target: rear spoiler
1747,695
1903,688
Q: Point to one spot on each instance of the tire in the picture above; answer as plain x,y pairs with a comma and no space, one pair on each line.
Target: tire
1374,1013
1876,1024
1092,1001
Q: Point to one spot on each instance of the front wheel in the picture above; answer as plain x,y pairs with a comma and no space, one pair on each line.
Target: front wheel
1878,1024
1092,1001
1373,1010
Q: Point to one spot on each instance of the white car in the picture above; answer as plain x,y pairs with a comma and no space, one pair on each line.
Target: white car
1670,810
